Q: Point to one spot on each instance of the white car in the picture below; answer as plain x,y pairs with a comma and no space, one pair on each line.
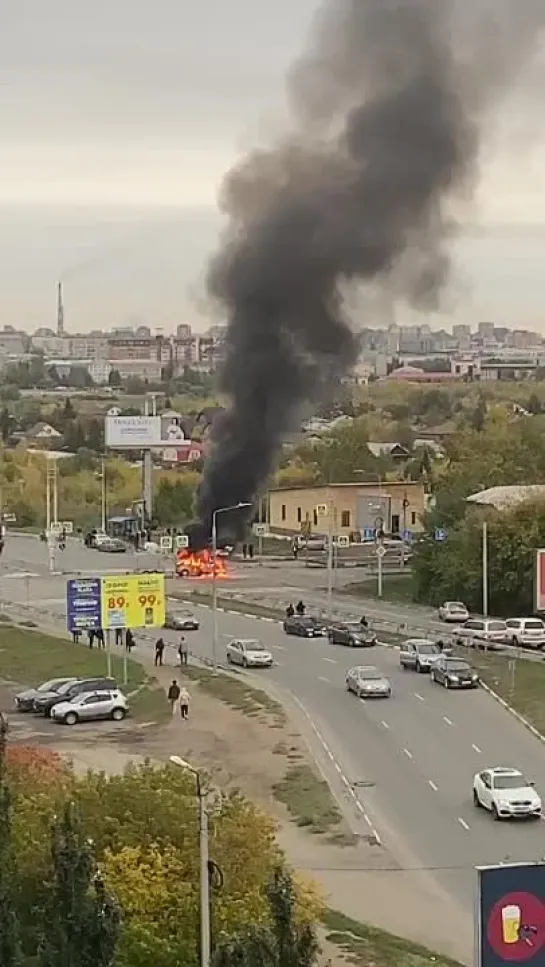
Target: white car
453,612
91,706
526,632
506,793
419,654
486,633
249,653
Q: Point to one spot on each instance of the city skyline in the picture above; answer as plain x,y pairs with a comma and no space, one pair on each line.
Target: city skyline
114,149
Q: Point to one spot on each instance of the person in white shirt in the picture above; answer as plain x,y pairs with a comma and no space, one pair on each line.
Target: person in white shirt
184,702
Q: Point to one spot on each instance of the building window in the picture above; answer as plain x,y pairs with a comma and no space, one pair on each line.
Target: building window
283,511
345,518
299,515
413,519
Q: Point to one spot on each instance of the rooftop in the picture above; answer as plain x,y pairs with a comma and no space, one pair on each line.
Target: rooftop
503,498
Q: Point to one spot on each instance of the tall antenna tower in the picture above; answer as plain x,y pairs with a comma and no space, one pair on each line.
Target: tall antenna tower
60,311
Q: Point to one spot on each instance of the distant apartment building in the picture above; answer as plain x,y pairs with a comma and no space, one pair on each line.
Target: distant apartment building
461,335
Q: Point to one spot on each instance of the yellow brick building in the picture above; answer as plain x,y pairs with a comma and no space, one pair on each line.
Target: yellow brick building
355,508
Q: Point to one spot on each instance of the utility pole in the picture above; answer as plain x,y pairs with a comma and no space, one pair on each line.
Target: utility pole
103,497
330,561
485,569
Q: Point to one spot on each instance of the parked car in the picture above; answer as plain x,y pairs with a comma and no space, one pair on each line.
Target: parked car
249,653
353,634
91,706
454,673
181,621
95,537
486,633
506,793
304,626
419,654
366,681
24,701
47,700
454,612
111,545
526,632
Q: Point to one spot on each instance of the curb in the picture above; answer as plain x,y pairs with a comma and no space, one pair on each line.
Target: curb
509,708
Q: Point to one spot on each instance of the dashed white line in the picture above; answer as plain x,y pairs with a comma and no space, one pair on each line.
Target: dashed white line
385,725
476,749
463,822
446,720
432,784
408,754
325,680
419,697
332,661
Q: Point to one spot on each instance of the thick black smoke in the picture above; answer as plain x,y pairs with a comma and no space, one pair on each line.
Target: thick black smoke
388,108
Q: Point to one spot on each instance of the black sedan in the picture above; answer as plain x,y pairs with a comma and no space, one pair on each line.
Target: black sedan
454,673
353,634
304,627
182,621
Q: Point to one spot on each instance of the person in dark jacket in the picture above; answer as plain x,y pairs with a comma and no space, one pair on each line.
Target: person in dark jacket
129,640
300,608
173,696
290,611
159,651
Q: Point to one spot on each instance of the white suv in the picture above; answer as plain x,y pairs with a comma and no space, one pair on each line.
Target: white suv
526,632
486,633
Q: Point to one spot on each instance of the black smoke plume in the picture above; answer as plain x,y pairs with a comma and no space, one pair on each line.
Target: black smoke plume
388,106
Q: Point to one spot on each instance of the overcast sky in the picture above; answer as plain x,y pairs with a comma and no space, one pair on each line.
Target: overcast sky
118,120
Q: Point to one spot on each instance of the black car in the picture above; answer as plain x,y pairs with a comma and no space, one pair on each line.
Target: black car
454,673
44,703
353,634
24,701
304,626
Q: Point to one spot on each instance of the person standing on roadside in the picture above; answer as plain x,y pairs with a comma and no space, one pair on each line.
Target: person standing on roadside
174,696
183,651
159,651
184,703
129,640
119,636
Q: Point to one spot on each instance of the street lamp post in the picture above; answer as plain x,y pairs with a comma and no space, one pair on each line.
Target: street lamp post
219,510
103,496
203,854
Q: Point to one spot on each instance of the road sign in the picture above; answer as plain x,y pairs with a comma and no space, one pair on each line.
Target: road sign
440,534
260,530
343,541
510,914
67,526
55,528
133,601
408,537
166,542
182,540
321,510
368,533
381,550
83,609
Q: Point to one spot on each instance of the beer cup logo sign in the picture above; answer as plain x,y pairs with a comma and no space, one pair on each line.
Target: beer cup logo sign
516,927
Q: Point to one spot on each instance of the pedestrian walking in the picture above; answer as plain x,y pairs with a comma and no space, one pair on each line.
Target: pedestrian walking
300,608
183,651
100,638
173,696
91,637
251,551
119,636
129,640
245,551
184,702
159,651
76,636
290,610
295,550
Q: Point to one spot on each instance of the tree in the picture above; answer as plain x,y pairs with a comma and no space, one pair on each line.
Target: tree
68,412
114,378
10,948
83,925
174,500
6,423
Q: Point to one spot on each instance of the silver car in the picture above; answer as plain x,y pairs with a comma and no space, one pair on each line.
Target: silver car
454,612
419,654
249,653
526,632
91,706
486,633
366,681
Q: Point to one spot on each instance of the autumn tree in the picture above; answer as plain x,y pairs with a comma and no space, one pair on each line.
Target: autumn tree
10,950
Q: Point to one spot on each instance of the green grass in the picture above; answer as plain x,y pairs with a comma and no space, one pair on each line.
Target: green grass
395,587
29,656
150,704
521,683
308,799
367,946
236,693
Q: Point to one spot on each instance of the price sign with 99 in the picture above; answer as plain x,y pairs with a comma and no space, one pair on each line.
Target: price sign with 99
147,600
116,603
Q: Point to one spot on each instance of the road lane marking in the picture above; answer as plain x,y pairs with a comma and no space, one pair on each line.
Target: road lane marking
332,661
463,822
433,786
325,680
408,754
446,720
419,697
385,725
476,749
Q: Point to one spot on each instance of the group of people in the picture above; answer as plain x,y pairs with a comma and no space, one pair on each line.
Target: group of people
182,651
299,609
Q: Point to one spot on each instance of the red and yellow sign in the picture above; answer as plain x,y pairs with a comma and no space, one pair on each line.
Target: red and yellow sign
133,601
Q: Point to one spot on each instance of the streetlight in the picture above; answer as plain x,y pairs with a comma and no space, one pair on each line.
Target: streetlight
203,853
102,478
220,510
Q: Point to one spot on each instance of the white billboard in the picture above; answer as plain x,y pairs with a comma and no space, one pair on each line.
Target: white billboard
143,432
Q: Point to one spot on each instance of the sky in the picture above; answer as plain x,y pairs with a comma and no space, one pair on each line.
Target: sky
119,120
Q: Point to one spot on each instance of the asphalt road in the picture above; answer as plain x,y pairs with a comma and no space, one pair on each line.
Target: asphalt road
410,759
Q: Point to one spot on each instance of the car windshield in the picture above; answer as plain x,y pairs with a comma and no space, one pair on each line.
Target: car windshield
533,625
510,782
457,666
354,627
253,646
307,622
370,674
62,689
497,626
50,686
427,649
455,606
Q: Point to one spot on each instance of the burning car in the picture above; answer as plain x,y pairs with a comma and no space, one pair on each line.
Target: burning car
200,564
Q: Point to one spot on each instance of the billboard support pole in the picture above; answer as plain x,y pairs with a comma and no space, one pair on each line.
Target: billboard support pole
125,668
485,569
108,654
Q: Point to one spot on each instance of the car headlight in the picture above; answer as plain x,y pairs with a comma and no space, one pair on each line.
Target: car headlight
454,678
504,804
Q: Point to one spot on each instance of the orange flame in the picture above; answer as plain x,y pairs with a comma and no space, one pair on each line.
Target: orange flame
198,564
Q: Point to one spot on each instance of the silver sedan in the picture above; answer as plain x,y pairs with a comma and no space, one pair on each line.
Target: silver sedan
366,681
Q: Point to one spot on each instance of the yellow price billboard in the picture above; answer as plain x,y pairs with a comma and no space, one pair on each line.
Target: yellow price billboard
133,601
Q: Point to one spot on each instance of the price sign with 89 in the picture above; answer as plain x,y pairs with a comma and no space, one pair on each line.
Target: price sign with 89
116,603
